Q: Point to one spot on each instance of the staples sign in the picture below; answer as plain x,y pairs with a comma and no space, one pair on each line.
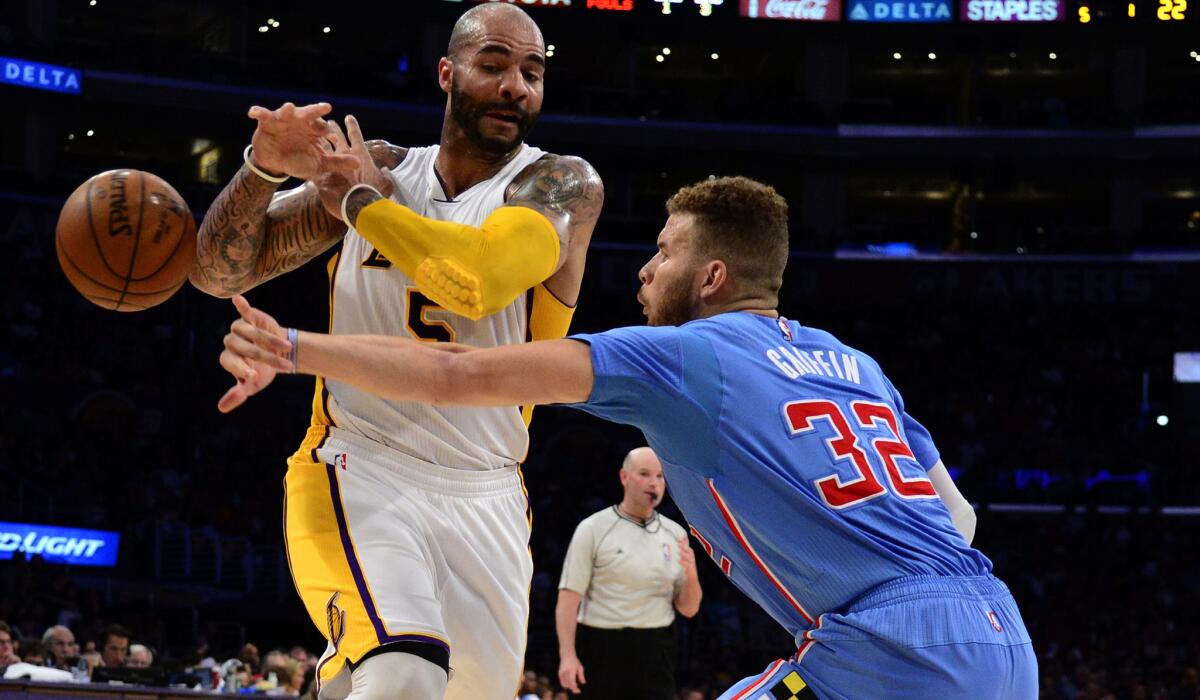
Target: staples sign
802,10
59,545
1012,10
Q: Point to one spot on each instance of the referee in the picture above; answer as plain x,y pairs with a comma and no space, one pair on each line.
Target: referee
629,566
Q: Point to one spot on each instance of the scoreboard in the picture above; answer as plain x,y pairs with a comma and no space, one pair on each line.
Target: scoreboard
1143,12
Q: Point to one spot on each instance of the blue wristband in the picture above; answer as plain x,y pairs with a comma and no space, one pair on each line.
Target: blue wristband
293,336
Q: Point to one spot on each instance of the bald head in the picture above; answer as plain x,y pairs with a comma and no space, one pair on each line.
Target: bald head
640,457
642,480
488,19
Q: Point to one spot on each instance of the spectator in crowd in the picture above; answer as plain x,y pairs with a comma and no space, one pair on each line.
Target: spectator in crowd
34,652
274,659
302,657
8,651
116,646
90,656
628,565
140,656
60,642
250,659
288,674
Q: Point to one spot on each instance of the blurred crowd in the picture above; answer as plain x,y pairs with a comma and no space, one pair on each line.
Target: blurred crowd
1112,604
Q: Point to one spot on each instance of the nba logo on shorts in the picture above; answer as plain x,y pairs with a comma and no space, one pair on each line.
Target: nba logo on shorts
995,621
340,461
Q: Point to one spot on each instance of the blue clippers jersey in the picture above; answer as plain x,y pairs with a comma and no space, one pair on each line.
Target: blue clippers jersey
789,453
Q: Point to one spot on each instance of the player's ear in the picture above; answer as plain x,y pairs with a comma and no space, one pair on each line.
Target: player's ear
716,279
445,74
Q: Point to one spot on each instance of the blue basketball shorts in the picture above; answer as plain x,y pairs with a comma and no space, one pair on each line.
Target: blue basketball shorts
916,638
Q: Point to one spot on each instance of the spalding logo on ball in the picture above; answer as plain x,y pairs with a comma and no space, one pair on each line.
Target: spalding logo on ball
126,240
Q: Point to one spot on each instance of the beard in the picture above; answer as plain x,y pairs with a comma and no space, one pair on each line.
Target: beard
677,305
468,112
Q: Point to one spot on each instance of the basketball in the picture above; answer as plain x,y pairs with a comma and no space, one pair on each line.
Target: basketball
125,240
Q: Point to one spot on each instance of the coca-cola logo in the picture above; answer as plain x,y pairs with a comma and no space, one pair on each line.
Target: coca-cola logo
803,10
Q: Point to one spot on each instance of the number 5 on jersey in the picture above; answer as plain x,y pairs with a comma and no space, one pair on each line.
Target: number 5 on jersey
419,324
844,445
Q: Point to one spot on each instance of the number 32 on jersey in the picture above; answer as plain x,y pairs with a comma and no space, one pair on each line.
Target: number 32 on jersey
801,417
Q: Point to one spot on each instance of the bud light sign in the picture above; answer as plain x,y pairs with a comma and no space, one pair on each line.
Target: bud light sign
900,11
803,10
59,545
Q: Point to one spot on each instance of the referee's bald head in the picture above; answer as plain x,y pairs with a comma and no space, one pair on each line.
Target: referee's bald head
637,457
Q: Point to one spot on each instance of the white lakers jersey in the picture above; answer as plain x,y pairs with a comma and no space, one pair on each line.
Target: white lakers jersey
369,295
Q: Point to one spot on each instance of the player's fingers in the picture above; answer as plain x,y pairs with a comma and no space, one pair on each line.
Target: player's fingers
236,365
255,317
338,137
247,350
259,113
340,162
354,132
233,398
314,111
287,110
261,319
243,307
266,339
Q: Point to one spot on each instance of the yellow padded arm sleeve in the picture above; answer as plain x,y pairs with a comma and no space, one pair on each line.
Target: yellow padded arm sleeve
549,319
472,271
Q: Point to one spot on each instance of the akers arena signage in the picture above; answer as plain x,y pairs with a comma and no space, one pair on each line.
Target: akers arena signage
799,10
1012,11
59,545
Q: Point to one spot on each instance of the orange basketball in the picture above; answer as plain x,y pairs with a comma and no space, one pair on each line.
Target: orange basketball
126,240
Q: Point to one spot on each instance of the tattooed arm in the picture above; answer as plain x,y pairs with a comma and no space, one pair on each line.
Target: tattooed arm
568,191
252,234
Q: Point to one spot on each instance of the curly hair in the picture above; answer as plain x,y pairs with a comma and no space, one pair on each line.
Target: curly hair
742,222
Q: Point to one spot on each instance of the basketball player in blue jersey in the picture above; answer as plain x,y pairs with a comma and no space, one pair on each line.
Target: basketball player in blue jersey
791,455
406,524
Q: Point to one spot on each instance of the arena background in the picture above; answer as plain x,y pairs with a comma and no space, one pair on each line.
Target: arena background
1005,214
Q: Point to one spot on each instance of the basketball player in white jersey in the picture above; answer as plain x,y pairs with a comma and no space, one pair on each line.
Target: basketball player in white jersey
406,524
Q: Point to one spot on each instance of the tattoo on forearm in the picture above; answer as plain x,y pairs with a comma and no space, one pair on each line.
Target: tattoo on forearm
240,245
357,200
302,231
561,187
232,232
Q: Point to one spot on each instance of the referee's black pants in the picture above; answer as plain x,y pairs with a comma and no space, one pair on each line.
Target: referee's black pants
627,663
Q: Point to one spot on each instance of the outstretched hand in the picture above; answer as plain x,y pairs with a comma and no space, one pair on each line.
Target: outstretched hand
256,349
350,164
296,141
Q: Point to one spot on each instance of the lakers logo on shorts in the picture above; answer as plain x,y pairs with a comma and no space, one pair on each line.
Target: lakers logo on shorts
792,687
336,619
